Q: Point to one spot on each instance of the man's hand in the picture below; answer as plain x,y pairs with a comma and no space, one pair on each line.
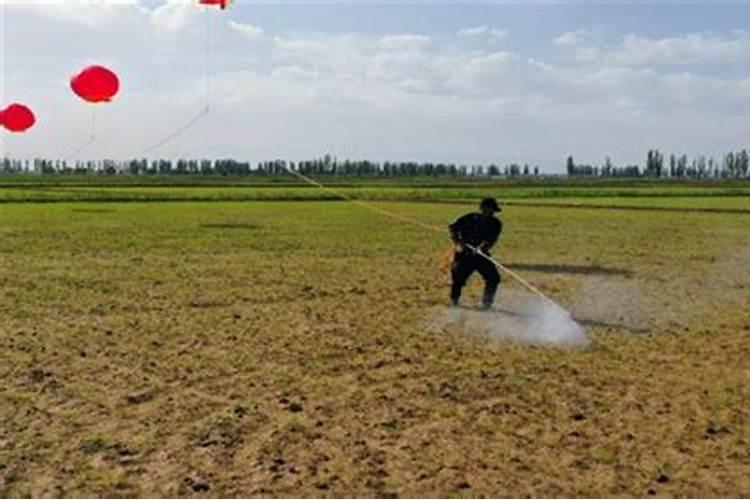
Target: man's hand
458,247
470,248
484,247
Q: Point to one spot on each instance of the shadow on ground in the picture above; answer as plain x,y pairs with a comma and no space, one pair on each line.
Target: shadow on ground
571,269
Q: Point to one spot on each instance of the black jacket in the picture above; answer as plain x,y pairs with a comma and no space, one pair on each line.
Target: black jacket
475,229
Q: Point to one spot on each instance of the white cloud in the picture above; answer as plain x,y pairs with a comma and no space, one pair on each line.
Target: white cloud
84,12
579,43
693,48
484,32
294,73
248,30
572,38
174,15
478,31
499,34
684,50
335,55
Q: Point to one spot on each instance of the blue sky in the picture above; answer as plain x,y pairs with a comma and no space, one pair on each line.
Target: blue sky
461,82
534,22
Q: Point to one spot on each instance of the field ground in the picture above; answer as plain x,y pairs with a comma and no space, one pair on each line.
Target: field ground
281,349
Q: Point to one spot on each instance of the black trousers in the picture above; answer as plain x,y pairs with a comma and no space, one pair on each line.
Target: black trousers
464,265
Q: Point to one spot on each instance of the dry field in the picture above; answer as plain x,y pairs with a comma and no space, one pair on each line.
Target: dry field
283,349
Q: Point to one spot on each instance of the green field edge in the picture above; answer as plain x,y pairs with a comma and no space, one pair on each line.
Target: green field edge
631,207
259,180
334,198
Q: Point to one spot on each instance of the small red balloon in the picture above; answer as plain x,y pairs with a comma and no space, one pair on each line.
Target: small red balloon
220,3
17,118
95,84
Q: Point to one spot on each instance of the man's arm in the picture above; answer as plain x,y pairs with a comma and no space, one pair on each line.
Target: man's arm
455,234
456,229
492,237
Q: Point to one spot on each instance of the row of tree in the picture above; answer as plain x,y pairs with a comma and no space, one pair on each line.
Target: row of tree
326,166
734,165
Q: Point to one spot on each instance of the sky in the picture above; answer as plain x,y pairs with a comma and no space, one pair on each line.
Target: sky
461,82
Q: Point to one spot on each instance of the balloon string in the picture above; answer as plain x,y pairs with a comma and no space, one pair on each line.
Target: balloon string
5,50
176,133
5,137
208,58
91,140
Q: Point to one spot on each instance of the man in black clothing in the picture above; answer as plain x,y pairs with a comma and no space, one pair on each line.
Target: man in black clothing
471,233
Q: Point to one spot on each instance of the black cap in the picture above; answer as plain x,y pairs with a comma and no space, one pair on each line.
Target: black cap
490,203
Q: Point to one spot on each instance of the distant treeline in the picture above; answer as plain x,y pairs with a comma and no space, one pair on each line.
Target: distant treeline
734,165
326,166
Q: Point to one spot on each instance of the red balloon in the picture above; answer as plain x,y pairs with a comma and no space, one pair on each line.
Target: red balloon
221,3
95,84
17,118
